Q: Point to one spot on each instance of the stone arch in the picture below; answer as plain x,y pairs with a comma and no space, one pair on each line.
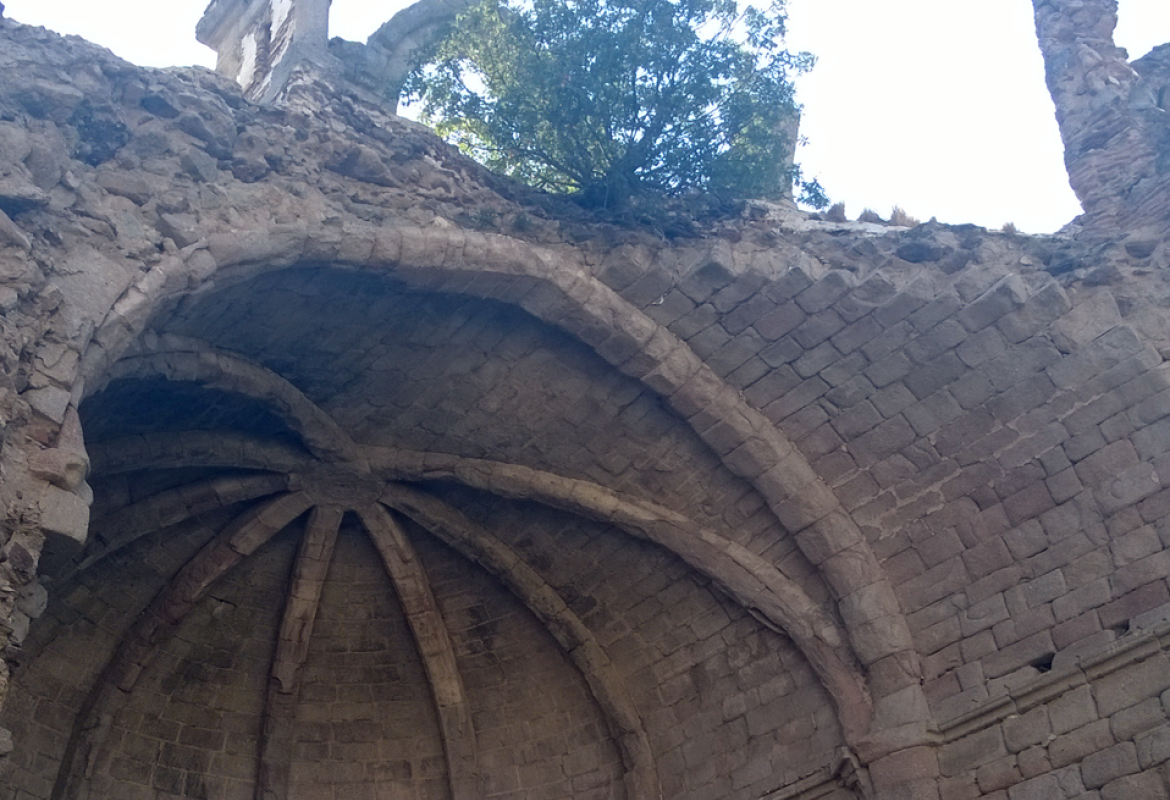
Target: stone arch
559,289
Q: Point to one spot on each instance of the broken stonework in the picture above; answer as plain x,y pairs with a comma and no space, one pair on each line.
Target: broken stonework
334,464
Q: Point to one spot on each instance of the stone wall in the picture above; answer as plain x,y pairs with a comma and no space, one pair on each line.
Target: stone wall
406,481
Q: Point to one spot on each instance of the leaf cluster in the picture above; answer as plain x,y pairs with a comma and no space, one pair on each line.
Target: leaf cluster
608,99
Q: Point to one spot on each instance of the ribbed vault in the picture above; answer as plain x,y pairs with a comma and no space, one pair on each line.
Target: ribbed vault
288,425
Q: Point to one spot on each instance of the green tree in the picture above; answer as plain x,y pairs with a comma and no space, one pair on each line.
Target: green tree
608,99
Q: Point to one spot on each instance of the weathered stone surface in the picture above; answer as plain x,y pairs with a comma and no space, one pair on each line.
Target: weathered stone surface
769,505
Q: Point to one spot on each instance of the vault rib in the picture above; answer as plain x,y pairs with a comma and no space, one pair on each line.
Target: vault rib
748,578
478,545
292,647
179,358
434,645
128,524
194,449
239,539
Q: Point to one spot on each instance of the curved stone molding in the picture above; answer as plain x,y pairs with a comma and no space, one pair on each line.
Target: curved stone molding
125,526
478,545
179,359
157,623
292,647
434,645
206,448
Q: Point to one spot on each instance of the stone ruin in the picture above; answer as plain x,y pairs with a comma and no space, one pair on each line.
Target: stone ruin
335,466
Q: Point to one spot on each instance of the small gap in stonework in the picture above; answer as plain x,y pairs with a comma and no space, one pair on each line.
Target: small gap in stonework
1044,663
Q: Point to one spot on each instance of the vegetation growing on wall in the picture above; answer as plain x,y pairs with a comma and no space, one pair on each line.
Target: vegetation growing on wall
605,100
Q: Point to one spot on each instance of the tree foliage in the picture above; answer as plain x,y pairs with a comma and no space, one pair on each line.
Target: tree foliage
606,99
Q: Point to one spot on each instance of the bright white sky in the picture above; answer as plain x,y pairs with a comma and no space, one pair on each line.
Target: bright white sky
937,106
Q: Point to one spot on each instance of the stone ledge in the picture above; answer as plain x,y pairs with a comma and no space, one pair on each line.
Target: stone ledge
822,783
1129,649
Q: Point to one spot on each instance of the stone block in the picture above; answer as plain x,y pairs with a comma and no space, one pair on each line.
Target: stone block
939,547
856,334
1105,463
816,360
1033,761
691,323
1132,684
1036,647
772,386
932,413
780,321
1064,485
796,399
734,353
1128,487
745,314
884,440
1100,768
1157,506
1129,722
1142,572
943,307
892,399
987,558
741,288
1076,745
1032,728
1092,595
826,291
1152,441
1150,619
971,751
934,375
1020,362
947,335
1005,296
983,615
961,787
1044,589
1028,503
891,368
1153,747
1042,787
1026,540
64,514
1123,609
1147,786
817,328
857,420
1023,625
846,369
